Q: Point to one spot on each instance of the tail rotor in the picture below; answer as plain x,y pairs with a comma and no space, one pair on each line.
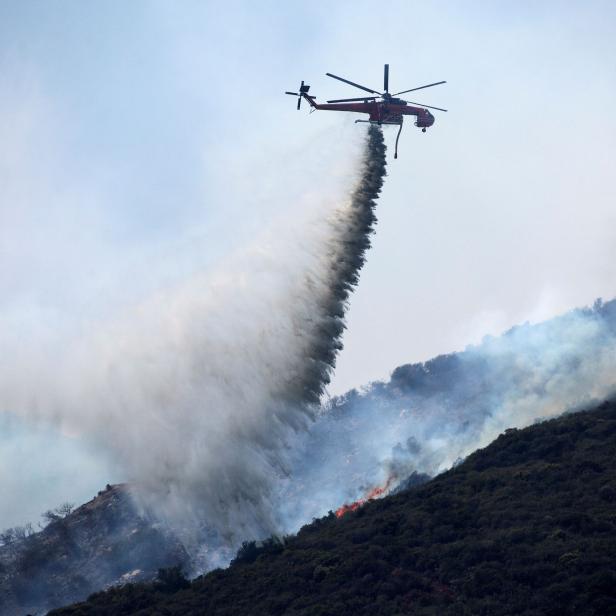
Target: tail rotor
303,89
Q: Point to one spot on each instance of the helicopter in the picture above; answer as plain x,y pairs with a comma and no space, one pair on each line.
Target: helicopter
382,107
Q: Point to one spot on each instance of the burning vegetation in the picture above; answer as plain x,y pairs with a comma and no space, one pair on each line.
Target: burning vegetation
373,494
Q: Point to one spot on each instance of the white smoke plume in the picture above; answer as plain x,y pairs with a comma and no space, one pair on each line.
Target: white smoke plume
197,391
428,416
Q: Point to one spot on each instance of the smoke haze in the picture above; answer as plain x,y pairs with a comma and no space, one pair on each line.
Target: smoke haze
204,394
197,390
428,416
130,156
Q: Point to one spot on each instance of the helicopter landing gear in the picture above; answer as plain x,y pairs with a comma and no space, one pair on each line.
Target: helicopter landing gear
423,130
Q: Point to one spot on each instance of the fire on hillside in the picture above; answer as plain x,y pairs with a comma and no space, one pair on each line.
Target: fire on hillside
376,492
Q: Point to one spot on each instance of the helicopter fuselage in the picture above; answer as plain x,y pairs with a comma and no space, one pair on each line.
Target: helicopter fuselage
388,111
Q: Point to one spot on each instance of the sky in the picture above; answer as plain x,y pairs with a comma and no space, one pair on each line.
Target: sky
143,142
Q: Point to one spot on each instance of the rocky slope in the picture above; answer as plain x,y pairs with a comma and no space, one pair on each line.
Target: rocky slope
101,543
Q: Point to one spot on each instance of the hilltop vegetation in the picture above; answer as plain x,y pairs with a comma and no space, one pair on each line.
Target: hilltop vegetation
80,551
525,527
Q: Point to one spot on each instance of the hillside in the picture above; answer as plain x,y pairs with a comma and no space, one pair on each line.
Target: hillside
429,415
421,421
525,526
103,542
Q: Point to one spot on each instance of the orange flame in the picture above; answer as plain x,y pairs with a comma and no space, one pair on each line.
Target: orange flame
371,495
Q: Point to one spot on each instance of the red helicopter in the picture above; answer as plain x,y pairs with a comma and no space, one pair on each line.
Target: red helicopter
384,108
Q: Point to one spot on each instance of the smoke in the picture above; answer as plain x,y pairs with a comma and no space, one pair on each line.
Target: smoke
429,416
207,394
197,391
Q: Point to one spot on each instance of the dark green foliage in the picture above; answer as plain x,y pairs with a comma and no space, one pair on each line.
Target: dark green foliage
525,527
251,550
171,580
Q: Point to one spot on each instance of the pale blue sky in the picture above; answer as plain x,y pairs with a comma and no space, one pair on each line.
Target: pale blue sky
145,140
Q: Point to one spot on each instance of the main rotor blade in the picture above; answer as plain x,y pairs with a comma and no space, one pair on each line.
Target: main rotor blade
292,93
422,105
299,102
350,100
386,78
351,83
438,83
